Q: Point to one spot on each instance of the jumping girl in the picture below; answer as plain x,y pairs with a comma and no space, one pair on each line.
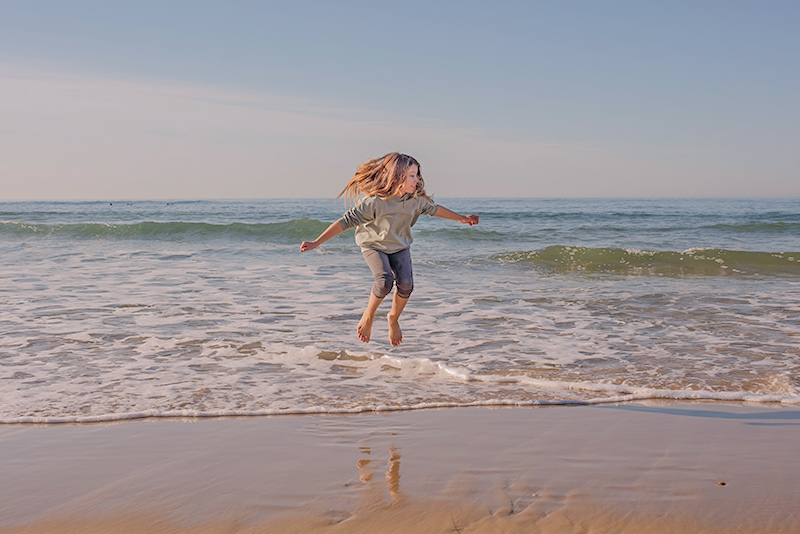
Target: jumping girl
392,197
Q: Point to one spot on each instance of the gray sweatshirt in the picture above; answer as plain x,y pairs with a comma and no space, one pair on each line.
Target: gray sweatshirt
385,223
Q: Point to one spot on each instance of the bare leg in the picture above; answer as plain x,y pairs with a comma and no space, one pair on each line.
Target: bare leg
365,324
395,334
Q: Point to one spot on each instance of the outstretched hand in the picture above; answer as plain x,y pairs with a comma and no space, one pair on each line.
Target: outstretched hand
305,246
469,219
333,230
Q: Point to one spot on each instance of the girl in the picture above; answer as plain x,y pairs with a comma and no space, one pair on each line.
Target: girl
393,198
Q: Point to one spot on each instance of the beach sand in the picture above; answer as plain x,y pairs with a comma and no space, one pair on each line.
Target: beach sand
643,467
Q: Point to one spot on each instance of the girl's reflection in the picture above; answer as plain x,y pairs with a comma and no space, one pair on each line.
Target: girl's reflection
366,466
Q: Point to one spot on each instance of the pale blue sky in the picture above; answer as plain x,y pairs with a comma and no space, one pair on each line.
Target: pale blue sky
193,99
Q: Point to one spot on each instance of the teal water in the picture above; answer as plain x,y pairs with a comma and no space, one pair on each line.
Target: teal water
118,309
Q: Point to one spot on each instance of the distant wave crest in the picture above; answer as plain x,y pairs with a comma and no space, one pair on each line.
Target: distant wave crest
759,227
292,230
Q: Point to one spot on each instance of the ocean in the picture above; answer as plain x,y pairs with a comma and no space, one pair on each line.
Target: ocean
119,310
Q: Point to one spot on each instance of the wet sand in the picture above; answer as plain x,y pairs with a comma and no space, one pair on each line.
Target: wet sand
647,467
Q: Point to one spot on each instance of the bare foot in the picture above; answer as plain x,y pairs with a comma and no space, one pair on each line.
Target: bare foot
395,335
365,328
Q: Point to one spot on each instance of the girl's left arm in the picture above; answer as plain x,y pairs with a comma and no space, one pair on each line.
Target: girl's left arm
445,213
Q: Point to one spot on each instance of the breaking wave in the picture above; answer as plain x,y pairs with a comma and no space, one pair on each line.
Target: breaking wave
700,261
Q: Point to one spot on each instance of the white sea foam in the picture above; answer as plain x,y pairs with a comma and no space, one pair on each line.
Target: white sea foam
309,382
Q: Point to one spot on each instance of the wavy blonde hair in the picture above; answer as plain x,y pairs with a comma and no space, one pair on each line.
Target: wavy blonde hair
383,177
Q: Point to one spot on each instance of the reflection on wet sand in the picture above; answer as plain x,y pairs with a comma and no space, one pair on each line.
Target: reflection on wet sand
367,466
393,474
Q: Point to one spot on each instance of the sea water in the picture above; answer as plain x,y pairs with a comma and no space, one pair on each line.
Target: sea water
117,310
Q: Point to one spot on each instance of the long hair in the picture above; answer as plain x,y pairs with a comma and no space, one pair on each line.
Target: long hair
383,177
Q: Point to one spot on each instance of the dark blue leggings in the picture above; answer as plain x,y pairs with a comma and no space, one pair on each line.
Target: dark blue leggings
388,269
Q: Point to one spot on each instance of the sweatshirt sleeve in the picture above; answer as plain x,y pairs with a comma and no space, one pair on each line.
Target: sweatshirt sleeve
429,207
362,212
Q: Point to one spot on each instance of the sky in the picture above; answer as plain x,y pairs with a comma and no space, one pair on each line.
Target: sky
174,99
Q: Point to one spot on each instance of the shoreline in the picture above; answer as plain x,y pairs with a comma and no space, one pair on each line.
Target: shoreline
678,396
656,466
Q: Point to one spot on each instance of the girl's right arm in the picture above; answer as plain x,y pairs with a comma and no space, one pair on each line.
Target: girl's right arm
332,231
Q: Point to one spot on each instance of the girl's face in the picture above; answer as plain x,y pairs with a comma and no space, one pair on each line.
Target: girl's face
410,180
